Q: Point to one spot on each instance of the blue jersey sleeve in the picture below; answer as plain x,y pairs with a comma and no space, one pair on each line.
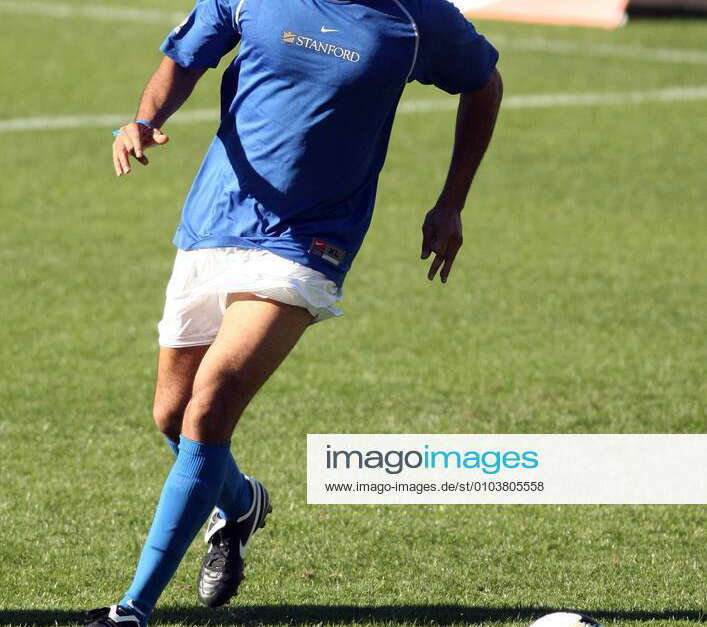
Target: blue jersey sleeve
207,34
451,54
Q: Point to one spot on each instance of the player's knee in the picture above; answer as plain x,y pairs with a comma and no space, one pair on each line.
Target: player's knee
212,413
168,419
206,405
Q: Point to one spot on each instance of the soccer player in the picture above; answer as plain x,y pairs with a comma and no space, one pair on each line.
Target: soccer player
272,223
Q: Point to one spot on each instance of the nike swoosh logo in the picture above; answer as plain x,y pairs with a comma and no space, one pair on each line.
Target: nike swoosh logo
329,30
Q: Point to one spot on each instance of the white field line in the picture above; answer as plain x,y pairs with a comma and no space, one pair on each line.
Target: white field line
534,44
548,101
89,11
612,51
106,120
531,101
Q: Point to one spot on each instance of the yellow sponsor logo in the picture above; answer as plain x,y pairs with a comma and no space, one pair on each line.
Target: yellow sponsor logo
288,37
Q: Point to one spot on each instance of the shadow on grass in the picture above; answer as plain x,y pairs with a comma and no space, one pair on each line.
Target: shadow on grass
344,614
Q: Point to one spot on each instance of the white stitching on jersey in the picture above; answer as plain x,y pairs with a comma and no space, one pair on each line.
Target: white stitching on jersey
236,15
417,36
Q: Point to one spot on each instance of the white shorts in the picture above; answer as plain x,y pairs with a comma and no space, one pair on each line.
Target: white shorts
202,280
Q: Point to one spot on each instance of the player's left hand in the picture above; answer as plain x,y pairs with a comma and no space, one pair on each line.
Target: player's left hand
441,235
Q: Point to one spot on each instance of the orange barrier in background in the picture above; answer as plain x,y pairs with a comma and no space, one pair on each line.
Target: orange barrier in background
601,13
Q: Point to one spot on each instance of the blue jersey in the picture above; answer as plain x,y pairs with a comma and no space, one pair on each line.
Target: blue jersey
307,110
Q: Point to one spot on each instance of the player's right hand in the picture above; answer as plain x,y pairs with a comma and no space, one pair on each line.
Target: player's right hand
133,140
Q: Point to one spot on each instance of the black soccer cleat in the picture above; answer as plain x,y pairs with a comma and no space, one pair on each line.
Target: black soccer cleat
113,616
222,569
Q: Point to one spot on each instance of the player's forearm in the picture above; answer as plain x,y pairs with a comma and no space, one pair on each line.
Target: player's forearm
476,120
166,91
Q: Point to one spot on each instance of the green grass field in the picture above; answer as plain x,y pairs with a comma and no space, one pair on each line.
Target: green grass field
577,305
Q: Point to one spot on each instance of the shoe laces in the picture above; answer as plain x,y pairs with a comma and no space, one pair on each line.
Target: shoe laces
221,546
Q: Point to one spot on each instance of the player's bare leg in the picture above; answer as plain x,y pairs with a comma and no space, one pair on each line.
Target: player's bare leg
176,370
255,337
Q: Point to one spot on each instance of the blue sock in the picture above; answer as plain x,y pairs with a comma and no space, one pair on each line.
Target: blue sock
189,494
173,446
236,496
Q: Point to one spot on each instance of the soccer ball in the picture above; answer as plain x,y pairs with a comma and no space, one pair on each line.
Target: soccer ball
565,619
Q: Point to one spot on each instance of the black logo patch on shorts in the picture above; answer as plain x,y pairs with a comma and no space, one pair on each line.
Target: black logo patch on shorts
335,256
